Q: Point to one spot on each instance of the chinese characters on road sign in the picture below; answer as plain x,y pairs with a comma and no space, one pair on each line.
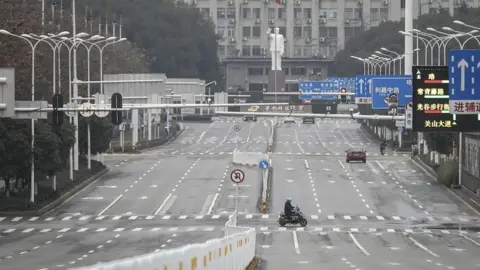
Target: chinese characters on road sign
286,108
432,108
466,106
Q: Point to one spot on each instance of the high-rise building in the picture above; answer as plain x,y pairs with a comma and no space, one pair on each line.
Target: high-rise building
315,30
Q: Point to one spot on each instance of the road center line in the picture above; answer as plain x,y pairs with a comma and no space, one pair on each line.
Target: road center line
295,243
423,247
358,244
298,142
341,164
110,205
306,165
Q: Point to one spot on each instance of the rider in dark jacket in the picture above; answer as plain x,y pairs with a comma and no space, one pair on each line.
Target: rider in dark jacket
289,208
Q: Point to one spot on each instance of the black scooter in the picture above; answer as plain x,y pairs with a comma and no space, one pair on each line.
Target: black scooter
297,218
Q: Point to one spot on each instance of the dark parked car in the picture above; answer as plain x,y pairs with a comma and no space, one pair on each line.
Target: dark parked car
308,119
247,118
356,154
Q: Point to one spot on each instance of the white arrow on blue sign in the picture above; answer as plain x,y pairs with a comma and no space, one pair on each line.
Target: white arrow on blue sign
263,164
464,78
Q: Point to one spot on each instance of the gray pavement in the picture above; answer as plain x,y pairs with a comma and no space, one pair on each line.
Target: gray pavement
166,197
380,215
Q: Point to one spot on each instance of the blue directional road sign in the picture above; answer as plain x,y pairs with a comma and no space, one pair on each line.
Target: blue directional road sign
263,164
314,90
464,78
363,89
384,87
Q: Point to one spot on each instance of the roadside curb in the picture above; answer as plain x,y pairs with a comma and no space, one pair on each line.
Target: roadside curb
59,201
419,162
166,142
265,207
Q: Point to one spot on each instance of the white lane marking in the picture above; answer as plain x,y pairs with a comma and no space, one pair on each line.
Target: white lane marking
379,164
423,247
298,143
358,244
470,239
110,205
306,165
206,205
201,136
163,204
295,243
210,209
341,164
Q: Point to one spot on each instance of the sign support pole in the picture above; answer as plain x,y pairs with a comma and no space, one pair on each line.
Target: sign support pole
460,159
236,201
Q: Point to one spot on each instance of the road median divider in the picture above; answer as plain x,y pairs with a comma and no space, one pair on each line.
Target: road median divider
234,251
271,138
251,159
266,190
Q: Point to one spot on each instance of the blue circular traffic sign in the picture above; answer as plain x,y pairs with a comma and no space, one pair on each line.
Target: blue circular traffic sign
263,164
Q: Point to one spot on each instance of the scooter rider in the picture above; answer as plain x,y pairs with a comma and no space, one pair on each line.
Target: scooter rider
289,208
383,145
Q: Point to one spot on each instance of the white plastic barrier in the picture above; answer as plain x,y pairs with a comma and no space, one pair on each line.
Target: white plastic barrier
232,252
248,158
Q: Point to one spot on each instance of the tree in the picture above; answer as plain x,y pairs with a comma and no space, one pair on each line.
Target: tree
387,35
176,37
100,134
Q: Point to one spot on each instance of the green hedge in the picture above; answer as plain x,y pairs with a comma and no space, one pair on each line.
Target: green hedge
447,173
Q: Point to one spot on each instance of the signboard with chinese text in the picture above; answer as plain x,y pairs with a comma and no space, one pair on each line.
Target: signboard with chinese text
431,107
363,89
285,109
464,81
391,92
314,90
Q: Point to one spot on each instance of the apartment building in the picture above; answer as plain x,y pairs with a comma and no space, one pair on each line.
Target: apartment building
315,30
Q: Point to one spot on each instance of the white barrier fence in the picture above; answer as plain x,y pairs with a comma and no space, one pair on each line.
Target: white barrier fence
234,251
248,158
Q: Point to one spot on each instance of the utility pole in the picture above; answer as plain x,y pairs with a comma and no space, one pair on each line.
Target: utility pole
75,85
43,16
120,27
408,38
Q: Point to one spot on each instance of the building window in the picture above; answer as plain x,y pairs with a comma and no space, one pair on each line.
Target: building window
247,13
230,13
297,51
402,3
283,31
297,32
282,13
307,51
307,13
258,87
256,50
221,51
258,71
357,15
221,31
307,32
271,14
232,51
298,71
246,50
221,13
349,32
256,31
247,31
374,14
328,32
384,14
332,14
297,13
231,31
256,13
348,14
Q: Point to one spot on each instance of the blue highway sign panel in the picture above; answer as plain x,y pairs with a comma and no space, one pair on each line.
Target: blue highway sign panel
363,89
391,91
314,90
464,74
263,164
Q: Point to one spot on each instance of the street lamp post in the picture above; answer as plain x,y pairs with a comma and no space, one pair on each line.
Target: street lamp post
33,47
365,64
208,84
101,58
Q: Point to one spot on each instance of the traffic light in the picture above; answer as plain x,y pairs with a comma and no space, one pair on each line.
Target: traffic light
116,103
343,97
57,116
